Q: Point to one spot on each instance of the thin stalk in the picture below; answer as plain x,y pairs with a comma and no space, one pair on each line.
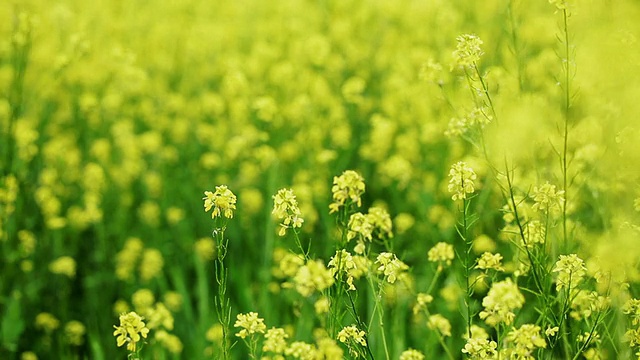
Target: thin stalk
222,302
567,105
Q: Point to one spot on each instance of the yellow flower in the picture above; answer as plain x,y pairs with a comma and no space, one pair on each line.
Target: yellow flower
205,248
390,266
524,341
441,253
502,299
47,322
74,332
571,270
64,265
311,277
275,341
479,349
250,324
461,179
151,264
411,354
547,198
223,201
440,323
347,187
285,208
468,51
301,350
490,261
131,330
352,333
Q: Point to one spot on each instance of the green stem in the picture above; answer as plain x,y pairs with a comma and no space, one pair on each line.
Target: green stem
567,106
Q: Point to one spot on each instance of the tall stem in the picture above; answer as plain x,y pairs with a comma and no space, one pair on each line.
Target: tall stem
567,106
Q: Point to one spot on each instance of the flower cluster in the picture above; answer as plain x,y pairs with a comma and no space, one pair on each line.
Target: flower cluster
442,253
285,207
311,277
461,179
390,266
250,324
353,337
490,261
571,270
547,198
439,323
275,341
347,187
480,349
411,354
468,51
223,201
502,299
524,341
131,330
342,263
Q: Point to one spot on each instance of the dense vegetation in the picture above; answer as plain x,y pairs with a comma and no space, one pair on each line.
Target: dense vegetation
381,179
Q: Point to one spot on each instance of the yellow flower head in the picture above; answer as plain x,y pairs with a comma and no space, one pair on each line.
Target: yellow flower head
461,179
223,202
389,265
571,270
285,208
347,187
502,299
275,341
547,198
468,51
250,324
74,332
441,253
131,330
411,354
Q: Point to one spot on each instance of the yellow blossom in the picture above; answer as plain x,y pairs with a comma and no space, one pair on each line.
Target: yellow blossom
64,265
285,208
223,202
250,324
347,187
461,179
389,265
130,331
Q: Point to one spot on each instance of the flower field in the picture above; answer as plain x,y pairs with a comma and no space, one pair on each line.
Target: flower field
328,179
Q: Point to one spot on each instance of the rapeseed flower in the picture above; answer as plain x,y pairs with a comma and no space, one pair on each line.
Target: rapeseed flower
503,298
47,322
222,201
547,198
490,261
275,341
285,208
571,270
461,178
74,332
301,350
521,343
250,324
468,51
311,277
64,265
347,188
389,265
439,323
354,338
441,253
411,354
130,331
481,349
